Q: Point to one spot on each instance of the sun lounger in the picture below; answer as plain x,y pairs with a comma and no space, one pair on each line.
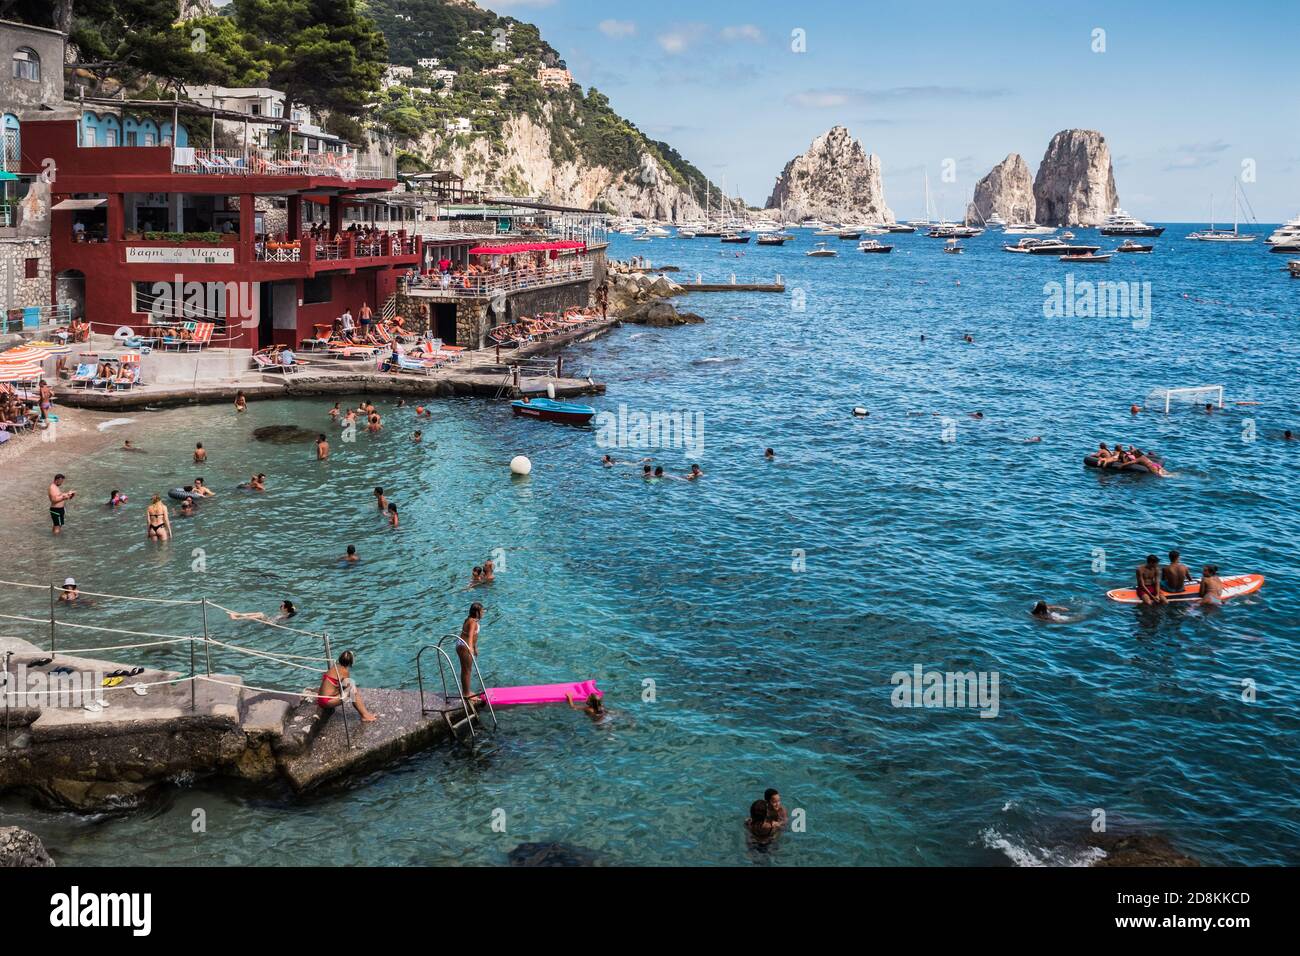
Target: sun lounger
84,375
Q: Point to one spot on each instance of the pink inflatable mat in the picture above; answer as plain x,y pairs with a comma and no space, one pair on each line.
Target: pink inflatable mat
541,693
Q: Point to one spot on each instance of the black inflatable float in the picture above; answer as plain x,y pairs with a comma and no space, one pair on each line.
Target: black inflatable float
1091,462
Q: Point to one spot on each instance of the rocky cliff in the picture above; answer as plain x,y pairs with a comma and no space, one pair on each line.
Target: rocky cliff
835,179
1075,185
1007,191
524,161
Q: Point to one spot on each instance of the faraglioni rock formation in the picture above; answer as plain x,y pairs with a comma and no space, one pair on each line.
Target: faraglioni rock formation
1007,191
1075,185
835,179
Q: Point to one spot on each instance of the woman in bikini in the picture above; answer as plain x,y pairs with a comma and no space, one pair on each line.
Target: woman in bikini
159,519
334,682
467,646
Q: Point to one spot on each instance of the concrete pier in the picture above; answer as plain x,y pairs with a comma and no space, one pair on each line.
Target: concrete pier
86,759
216,377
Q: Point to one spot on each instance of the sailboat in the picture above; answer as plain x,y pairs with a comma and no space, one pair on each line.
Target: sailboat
1223,235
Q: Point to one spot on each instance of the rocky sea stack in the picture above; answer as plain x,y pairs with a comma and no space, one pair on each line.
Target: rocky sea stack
836,179
1075,185
1007,191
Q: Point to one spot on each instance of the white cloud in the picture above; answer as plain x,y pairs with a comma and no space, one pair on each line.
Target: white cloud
743,31
616,29
679,38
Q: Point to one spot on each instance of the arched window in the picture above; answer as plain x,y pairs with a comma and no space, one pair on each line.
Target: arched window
27,65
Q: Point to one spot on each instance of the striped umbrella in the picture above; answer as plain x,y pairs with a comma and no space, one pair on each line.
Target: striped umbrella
25,353
21,373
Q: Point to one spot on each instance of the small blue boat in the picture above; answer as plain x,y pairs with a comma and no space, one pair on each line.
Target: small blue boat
549,410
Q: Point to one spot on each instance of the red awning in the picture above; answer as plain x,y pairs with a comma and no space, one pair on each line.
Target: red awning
514,247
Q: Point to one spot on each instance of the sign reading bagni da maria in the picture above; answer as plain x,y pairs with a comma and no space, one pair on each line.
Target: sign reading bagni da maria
213,255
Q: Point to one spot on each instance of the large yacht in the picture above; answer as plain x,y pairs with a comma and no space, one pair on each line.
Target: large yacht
1286,238
1120,223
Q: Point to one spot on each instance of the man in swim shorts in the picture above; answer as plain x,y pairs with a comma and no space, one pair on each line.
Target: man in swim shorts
58,500
1148,582
1174,575
322,448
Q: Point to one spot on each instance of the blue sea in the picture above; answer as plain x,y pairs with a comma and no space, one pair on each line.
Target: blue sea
746,628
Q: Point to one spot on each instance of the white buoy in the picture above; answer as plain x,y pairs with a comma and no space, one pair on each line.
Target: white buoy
520,465
550,390
861,412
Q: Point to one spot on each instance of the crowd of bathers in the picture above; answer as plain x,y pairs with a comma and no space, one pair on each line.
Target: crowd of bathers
1122,457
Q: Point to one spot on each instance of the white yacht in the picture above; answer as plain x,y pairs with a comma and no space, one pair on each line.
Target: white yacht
1120,223
995,221
656,230
1286,237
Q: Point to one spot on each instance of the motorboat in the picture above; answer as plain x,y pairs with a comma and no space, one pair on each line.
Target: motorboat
550,410
873,245
1120,223
1128,245
821,251
900,227
1287,234
953,246
848,234
1087,257
774,239
735,238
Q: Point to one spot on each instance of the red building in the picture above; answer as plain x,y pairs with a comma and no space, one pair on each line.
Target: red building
147,234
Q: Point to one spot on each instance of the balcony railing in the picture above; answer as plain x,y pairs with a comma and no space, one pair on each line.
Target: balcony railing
485,286
328,251
269,162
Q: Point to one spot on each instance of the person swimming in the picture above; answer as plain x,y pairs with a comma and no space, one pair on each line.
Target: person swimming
200,454
381,501
593,706
287,610
393,521
417,437
607,461
1048,612
351,556
759,823
202,490
659,471
187,507
769,454
647,472
775,810
694,473
116,499
69,593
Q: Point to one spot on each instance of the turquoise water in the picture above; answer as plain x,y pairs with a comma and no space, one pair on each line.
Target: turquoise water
914,551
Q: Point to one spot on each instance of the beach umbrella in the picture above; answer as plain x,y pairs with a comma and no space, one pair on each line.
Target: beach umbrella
21,373
26,353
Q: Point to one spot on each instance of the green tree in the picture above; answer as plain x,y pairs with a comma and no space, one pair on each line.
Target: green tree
324,53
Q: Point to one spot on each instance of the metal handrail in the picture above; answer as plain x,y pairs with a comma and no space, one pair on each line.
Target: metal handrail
473,658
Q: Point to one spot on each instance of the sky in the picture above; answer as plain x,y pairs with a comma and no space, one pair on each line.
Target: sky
1189,95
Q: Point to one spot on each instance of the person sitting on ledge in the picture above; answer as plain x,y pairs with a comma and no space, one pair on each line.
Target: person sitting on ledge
337,686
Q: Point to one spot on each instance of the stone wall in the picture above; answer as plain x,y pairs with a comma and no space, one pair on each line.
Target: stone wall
16,290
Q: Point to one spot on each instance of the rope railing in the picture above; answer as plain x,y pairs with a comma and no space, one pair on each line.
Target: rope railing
157,640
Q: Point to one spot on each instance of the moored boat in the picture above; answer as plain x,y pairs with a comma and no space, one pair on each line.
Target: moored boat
872,245
774,239
1087,257
550,410
1128,245
1120,223
735,238
821,251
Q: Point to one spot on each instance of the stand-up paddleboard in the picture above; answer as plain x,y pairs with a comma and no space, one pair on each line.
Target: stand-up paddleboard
541,693
1237,585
